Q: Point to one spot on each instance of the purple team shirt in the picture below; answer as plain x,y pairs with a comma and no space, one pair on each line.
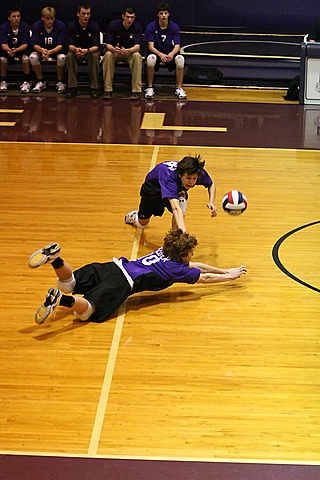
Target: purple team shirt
164,40
168,271
169,182
56,37
14,40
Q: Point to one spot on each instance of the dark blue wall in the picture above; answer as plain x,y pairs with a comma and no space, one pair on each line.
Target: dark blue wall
261,16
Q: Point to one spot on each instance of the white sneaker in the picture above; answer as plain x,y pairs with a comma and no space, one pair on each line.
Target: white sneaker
25,87
132,217
48,307
183,204
149,93
39,87
3,86
61,88
180,93
45,255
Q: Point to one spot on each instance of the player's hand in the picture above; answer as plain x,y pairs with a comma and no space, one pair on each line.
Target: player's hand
164,58
237,272
213,208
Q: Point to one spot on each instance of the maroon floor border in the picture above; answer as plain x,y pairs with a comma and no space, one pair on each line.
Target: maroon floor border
28,467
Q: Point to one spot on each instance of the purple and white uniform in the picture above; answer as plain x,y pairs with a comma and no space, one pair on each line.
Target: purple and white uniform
41,37
14,39
164,39
108,285
156,272
164,181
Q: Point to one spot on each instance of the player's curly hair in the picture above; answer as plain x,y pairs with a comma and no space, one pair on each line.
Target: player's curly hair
190,165
178,244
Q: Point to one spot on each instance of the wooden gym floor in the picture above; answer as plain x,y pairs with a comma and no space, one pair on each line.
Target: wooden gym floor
194,382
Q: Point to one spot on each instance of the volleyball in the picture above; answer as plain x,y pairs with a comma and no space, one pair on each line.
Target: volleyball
234,202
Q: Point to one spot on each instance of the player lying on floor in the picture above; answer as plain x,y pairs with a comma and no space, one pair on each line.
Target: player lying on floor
105,286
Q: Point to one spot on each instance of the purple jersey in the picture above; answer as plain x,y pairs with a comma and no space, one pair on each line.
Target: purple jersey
41,37
164,40
14,39
167,183
156,272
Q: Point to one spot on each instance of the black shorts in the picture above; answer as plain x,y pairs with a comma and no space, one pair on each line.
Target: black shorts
152,203
171,66
104,285
17,58
153,206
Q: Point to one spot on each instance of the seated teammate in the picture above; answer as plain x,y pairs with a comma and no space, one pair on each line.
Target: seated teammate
48,42
14,43
105,286
163,40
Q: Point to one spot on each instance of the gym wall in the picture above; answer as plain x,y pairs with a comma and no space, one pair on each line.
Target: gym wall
274,16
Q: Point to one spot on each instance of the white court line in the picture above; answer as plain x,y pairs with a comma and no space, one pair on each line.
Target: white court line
105,390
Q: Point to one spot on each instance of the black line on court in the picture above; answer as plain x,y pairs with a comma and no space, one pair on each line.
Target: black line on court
275,256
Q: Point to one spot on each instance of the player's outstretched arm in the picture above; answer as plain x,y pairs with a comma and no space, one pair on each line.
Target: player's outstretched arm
211,203
178,219
223,276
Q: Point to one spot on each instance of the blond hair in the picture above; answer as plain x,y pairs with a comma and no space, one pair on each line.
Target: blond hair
48,12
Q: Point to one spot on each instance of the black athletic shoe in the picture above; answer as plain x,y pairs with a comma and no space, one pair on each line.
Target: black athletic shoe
71,92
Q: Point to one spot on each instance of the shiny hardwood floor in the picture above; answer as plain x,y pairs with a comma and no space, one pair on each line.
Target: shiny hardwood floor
220,372
250,118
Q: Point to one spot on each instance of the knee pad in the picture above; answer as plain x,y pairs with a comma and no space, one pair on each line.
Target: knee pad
61,59
151,60
3,60
25,59
179,61
86,314
66,286
183,204
34,59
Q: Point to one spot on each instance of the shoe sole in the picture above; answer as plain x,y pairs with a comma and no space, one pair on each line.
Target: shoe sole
46,311
37,259
42,314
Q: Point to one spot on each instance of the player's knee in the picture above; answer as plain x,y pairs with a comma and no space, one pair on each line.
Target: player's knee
86,314
3,60
183,204
25,59
136,57
151,60
66,286
108,56
179,61
34,59
61,59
